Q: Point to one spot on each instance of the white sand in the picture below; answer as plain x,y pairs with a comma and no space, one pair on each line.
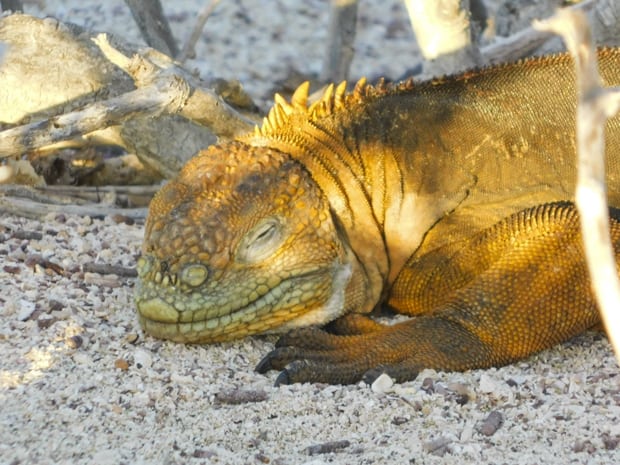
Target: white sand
174,404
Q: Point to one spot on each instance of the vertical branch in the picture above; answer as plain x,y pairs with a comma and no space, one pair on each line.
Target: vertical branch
149,17
595,104
444,34
12,5
188,50
340,38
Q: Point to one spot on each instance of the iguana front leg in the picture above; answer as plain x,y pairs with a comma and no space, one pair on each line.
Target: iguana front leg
512,290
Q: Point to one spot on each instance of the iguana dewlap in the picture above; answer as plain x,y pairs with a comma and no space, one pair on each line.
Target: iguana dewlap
447,200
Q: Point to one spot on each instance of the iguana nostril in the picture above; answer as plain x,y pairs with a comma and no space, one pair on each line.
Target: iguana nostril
144,266
194,275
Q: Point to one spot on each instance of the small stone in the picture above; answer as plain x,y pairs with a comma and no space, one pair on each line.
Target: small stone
428,385
610,442
438,446
461,399
54,305
203,454
46,322
491,423
459,388
399,420
584,446
26,309
327,447
382,384
142,359
132,338
74,342
123,219
241,396
11,269
121,364
488,385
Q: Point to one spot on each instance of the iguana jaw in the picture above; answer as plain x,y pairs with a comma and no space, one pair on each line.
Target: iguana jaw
241,242
312,298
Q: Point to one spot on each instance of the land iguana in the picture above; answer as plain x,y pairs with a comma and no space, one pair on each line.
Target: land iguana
448,200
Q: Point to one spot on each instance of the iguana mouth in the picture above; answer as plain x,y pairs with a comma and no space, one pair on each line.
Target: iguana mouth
166,313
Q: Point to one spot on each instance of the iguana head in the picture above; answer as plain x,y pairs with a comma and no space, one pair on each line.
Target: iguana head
241,242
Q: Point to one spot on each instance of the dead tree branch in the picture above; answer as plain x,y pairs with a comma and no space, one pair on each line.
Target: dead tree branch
168,93
595,104
188,50
443,32
340,37
202,106
97,95
11,5
38,202
154,27
604,17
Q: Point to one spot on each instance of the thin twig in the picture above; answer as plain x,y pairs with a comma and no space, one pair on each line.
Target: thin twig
340,39
154,27
188,50
38,210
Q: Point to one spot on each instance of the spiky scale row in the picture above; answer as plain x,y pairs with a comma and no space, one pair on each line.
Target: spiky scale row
334,98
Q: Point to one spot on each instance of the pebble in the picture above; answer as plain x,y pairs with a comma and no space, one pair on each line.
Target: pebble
142,358
74,342
488,384
26,308
132,338
491,423
239,396
438,446
382,384
328,447
121,364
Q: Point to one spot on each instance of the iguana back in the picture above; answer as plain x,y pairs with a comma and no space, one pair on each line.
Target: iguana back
490,142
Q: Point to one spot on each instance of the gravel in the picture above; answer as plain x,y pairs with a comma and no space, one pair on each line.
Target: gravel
80,383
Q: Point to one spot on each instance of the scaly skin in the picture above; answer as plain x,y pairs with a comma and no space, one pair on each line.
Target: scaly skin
448,201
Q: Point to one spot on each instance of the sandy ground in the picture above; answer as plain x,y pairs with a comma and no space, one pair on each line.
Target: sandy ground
79,383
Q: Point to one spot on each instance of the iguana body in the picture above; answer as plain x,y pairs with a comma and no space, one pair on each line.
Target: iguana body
431,198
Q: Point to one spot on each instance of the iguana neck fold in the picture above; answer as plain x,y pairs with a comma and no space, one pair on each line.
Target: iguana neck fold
335,163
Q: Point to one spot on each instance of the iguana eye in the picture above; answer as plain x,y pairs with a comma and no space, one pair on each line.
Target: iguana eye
260,242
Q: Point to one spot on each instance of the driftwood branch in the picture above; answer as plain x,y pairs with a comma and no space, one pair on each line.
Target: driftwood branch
202,106
12,5
38,202
443,30
188,50
38,210
163,88
60,71
444,35
595,104
340,37
153,25
604,17
168,93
